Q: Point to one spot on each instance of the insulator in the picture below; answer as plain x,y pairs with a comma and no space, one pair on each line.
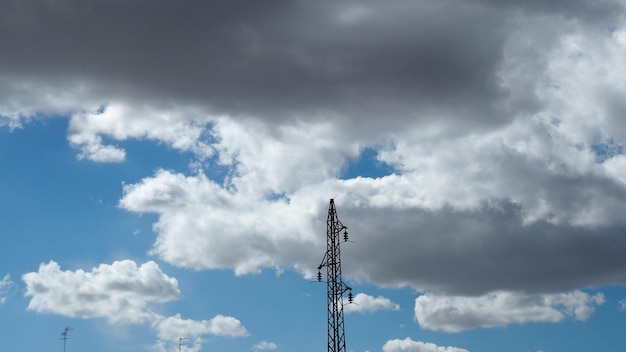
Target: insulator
350,298
319,276
345,236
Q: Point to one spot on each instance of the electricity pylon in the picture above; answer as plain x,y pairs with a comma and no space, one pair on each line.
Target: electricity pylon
335,285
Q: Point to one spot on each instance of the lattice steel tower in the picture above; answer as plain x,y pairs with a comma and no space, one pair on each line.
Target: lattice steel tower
335,285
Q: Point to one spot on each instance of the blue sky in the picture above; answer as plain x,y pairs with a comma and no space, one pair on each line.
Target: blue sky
166,169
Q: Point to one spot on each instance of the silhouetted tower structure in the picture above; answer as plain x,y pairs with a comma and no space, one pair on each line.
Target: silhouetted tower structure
180,343
64,338
335,285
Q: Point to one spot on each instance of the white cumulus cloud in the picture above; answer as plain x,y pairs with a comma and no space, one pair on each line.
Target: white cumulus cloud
409,345
118,292
364,303
459,313
179,128
6,288
622,304
265,345
196,227
173,327
222,325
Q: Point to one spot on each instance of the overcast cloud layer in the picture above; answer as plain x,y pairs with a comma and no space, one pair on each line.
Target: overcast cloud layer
501,120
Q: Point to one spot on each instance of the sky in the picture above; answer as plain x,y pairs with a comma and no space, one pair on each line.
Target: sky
166,169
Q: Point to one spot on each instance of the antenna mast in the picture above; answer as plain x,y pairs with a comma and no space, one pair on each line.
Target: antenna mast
335,285
180,342
64,334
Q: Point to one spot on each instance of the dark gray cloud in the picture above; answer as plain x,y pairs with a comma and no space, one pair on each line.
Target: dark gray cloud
389,63
475,252
583,10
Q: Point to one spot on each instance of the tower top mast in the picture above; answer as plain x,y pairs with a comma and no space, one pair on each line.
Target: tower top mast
335,285
64,334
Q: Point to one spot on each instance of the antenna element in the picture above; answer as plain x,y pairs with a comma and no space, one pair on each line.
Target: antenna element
64,334
180,342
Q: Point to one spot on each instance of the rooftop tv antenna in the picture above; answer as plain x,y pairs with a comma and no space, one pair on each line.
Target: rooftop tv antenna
64,338
180,342
335,285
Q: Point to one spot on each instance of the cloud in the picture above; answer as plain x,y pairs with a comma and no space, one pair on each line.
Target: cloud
164,346
363,60
6,288
622,304
180,129
265,345
493,238
118,292
408,345
355,62
501,120
226,326
173,327
502,192
458,313
170,330
196,217
365,304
